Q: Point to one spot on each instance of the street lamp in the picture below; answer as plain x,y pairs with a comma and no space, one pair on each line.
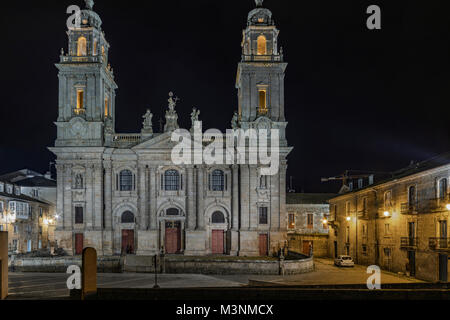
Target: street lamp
386,213
448,206
348,218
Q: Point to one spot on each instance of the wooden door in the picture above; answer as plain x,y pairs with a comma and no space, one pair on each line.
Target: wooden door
307,247
128,241
263,244
173,238
79,238
412,263
217,242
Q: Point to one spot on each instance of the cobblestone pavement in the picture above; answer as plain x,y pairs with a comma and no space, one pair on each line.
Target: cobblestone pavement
53,285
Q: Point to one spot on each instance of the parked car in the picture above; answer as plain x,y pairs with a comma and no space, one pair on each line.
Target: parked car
344,261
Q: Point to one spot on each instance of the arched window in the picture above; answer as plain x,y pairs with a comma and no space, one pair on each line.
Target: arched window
173,212
126,180
443,188
127,217
82,47
171,180
218,217
262,45
217,180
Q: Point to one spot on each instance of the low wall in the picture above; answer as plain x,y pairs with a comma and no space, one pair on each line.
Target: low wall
170,264
60,264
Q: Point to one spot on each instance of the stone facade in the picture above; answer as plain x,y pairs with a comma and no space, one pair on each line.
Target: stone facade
122,193
307,224
400,224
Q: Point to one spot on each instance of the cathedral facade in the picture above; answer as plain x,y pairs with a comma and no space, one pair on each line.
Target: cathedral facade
122,193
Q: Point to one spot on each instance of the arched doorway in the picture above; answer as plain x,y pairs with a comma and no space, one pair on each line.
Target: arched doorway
173,237
128,247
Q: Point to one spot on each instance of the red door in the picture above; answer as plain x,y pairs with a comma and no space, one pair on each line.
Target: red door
263,244
173,237
79,243
218,242
128,241
307,246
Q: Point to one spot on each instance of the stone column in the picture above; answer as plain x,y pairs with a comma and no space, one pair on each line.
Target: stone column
275,202
142,192
235,201
282,211
108,196
253,215
88,186
153,190
191,214
98,196
200,200
245,205
60,196
67,185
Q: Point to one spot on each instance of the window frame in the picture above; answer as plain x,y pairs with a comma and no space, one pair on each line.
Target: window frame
263,215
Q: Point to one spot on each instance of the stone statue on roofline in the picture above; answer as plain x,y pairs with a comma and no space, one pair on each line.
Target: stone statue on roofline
171,114
147,126
235,121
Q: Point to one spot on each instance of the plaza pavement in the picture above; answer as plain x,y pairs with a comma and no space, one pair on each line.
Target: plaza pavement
53,285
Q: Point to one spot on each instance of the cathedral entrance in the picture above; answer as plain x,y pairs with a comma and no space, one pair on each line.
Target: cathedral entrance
217,246
263,245
173,237
128,241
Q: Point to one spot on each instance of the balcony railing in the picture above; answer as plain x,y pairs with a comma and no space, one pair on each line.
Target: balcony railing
79,112
435,205
262,58
408,242
262,111
363,214
439,243
83,59
127,138
409,208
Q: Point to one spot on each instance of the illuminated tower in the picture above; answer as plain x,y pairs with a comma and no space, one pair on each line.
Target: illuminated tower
86,84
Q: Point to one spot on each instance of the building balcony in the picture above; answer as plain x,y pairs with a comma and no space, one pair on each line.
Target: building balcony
363,214
80,112
408,242
435,205
262,58
82,59
409,208
439,244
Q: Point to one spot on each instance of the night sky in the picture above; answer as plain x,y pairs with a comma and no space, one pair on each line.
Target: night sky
355,98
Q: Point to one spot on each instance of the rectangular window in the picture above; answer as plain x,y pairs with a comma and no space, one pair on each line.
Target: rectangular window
41,212
347,208
78,215
2,187
364,231
310,221
106,107
263,215
1,207
80,99
262,101
16,229
386,229
364,249
291,220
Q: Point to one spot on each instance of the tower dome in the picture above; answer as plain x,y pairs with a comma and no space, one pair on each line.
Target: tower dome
260,16
90,18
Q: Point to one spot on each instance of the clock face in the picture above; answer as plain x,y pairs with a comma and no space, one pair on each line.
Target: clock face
77,129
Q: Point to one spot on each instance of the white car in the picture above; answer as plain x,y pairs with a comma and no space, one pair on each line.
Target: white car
344,261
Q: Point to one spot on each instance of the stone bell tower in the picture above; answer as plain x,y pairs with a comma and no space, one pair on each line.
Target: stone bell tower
260,77
86,84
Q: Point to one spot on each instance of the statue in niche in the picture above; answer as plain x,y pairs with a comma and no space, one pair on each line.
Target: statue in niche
78,181
171,114
147,124
235,121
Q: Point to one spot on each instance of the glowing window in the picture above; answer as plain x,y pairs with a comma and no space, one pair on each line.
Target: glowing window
106,107
94,50
262,45
82,46
262,100
80,99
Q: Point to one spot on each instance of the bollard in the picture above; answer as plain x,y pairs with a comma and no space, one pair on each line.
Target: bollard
89,273
3,265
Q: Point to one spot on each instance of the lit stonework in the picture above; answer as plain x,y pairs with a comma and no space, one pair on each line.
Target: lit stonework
121,193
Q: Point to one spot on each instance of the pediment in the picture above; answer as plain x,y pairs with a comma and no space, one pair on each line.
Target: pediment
162,141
